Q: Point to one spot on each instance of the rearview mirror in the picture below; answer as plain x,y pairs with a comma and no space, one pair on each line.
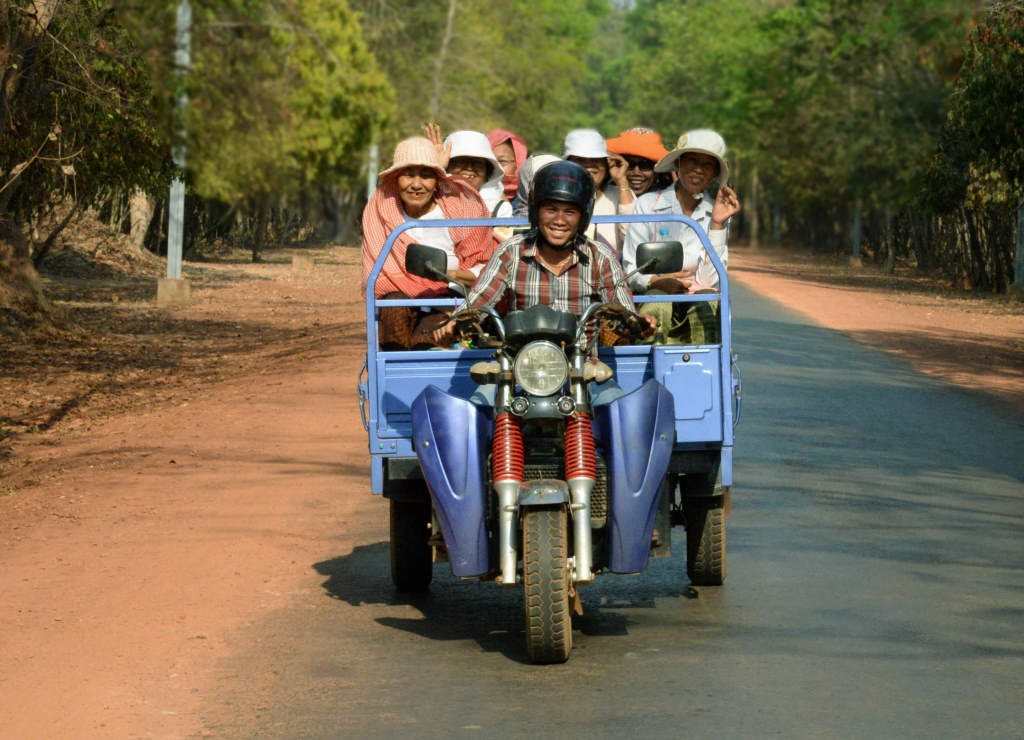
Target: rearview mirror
426,262
659,257
431,263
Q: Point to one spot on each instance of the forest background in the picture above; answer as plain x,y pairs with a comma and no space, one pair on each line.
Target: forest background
893,127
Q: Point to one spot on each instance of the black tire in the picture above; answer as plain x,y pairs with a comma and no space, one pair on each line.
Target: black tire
412,566
705,542
546,585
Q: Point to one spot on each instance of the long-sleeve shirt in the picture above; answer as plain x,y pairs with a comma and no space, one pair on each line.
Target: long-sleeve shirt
516,275
665,201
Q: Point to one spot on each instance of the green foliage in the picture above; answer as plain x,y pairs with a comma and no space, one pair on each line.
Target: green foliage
982,152
519,64
283,96
837,105
76,102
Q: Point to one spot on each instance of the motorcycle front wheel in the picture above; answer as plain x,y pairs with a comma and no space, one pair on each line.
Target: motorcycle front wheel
546,585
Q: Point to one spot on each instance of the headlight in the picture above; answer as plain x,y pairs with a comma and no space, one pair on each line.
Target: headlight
541,368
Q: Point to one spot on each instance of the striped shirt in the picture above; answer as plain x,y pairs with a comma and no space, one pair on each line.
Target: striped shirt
515,274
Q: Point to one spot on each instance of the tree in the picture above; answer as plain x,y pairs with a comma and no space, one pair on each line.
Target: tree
75,102
518,64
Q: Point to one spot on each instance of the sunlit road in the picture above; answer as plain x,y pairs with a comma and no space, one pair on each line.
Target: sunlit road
875,589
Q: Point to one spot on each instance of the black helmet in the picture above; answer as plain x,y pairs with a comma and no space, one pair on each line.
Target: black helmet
565,182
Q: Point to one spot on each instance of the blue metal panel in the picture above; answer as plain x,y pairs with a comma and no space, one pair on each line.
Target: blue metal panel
680,298
692,375
452,442
629,364
726,466
637,433
402,376
417,302
377,474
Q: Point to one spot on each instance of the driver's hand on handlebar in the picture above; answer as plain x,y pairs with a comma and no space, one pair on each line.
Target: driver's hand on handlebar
444,335
464,277
641,325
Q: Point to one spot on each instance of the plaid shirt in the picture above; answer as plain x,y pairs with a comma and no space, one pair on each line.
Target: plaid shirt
515,274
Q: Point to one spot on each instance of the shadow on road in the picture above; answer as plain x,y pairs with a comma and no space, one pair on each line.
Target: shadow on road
486,613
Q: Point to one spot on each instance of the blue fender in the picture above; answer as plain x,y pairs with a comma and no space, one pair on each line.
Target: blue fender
637,432
451,437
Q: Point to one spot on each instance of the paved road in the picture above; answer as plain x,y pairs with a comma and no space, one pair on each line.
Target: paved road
876,589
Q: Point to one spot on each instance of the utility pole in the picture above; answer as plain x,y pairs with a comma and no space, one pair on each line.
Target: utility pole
173,289
372,165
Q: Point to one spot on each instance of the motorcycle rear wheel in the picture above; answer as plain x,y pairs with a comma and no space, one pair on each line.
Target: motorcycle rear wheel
705,541
546,585
412,566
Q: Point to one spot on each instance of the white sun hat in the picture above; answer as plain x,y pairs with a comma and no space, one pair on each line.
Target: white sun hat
702,141
586,143
475,144
472,144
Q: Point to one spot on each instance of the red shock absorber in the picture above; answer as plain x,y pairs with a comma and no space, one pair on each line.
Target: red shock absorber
580,458
507,448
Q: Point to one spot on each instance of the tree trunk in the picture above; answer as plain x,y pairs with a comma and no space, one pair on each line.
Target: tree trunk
15,52
42,249
140,212
890,244
260,235
753,203
21,300
439,60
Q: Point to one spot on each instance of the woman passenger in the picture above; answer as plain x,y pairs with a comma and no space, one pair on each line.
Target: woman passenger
473,160
533,165
586,147
631,159
698,160
416,186
511,151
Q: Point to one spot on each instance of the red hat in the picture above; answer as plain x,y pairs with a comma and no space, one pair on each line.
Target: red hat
638,143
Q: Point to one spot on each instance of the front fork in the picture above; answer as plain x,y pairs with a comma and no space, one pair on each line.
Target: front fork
508,469
580,471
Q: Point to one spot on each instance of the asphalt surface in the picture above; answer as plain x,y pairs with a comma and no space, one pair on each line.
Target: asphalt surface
875,589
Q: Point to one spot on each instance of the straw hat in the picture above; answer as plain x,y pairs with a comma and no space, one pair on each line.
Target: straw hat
702,141
416,151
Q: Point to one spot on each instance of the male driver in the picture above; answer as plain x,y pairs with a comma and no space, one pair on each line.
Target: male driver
554,263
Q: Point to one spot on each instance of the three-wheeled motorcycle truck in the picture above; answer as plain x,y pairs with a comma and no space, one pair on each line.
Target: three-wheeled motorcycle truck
530,460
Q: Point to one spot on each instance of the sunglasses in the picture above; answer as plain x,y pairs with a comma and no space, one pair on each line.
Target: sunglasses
639,163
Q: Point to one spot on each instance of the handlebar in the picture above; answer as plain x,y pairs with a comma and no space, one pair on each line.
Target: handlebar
633,323
467,314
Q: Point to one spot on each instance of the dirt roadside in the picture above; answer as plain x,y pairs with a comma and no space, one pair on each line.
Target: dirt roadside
145,524
156,518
